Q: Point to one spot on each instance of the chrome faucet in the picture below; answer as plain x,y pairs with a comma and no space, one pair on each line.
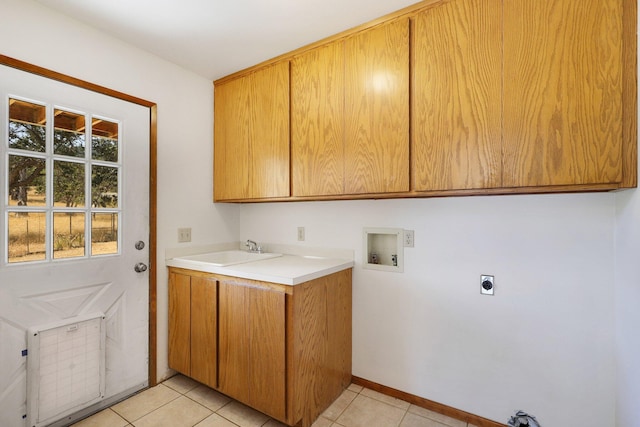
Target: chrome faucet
253,246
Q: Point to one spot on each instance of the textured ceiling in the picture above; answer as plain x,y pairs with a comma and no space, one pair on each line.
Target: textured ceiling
214,38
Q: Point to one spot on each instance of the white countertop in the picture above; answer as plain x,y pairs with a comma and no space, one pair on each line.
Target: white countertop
285,270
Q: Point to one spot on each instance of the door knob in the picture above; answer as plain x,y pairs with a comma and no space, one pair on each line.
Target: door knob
140,267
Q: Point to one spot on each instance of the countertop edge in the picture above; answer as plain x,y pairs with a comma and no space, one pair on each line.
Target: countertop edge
237,271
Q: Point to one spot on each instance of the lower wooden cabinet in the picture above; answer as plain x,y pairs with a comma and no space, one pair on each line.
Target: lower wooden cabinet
192,327
283,350
252,341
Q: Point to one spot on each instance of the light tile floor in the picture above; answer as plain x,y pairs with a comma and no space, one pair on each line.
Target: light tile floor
182,402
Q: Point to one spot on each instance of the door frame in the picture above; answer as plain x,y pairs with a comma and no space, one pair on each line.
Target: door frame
153,165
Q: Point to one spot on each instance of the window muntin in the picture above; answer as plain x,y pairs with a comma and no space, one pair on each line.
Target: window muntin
63,196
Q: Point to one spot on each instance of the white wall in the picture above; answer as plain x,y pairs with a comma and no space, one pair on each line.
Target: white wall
627,304
544,343
35,34
628,308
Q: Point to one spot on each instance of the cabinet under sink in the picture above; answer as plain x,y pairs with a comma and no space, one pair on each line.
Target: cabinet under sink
283,350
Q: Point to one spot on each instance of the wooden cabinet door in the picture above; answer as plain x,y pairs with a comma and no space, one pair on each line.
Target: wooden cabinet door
317,121
252,346
204,330
562,92
267,342
251,135
377,110
457,96
232,135
233,341
180,322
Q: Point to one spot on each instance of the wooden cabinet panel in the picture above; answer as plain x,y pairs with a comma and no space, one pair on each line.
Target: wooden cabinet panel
252,346
204,330
266,328
269,144
233,358
322,311
232,133
251,134
377,110
192,327
283,350
317,121
456,96
179,323
562,92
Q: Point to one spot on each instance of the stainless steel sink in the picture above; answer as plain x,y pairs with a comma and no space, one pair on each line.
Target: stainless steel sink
224,258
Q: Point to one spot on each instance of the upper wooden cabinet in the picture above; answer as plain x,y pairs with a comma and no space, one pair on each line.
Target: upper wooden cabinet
350,114
377,110
251,133
317,121
563,98
448,97
456,110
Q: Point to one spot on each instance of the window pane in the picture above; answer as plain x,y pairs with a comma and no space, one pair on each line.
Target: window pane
27,126
26,181
68,134
26,236
104,140
68,235
104,187
104,233
68,184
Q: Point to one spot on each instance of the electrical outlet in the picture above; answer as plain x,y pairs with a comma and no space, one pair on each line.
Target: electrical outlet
487,284
408,238
184,235
300,234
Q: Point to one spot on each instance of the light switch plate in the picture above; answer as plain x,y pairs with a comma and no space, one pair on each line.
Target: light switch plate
184,235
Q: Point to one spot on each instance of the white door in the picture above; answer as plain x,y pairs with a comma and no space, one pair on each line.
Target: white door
74,199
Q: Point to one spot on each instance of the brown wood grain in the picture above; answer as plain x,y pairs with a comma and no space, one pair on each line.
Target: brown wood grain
251,134
562,92
317,121
310,346
284,350
568,102
269,143
204,330
339,325
153,246
377,109
266,330
232,117
630,94
233,341
321,328
456,139
180,322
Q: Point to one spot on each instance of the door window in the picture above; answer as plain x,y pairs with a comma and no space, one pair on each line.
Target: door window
63,195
